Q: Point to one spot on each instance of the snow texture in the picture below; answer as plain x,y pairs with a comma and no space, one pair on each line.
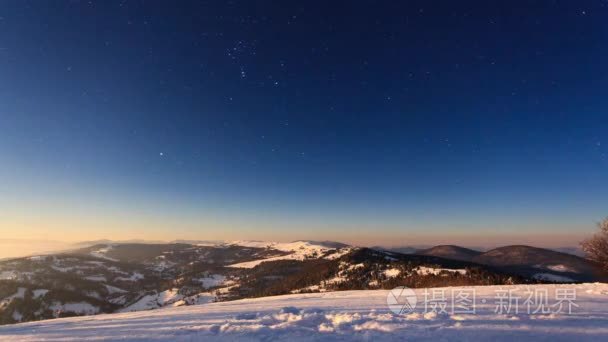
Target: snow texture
334,316
213,280
436,271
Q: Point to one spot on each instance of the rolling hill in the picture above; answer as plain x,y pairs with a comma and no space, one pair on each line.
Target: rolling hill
538,263
451,252
114,277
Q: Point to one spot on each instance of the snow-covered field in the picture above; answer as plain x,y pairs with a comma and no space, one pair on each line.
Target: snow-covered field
348,315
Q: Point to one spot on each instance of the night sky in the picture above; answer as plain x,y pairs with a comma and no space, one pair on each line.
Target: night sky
347,120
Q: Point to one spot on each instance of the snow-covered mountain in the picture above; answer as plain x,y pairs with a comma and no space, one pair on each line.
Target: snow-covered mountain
126,277
348,315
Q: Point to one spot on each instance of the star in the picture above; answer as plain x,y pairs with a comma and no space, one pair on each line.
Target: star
161,154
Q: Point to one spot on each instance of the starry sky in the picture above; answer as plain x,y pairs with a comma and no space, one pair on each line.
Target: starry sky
358,121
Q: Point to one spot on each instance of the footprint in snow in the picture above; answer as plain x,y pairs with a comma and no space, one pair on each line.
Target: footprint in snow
290,310
246,316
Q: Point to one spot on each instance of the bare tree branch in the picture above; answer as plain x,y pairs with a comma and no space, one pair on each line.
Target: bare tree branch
596,247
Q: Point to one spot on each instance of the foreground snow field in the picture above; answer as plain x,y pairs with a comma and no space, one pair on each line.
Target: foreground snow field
349,315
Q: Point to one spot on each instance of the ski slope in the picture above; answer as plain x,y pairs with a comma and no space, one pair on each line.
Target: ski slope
336,316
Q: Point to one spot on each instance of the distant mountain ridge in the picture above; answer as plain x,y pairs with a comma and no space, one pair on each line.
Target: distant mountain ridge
122,277
521,255
451,252
525,260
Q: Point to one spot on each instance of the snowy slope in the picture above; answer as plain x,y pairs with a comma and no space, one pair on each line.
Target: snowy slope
298,250
347,315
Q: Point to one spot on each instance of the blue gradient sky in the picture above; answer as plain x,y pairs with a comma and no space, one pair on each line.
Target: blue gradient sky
351,120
